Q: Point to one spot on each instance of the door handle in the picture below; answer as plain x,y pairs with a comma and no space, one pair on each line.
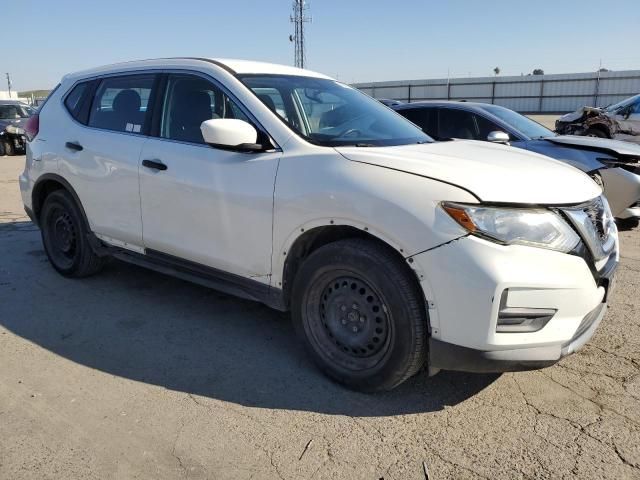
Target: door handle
155,164
73,146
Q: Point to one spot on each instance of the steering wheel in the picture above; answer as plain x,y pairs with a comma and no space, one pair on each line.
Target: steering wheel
348,131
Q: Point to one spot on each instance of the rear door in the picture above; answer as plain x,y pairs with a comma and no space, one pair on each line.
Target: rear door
101,153
206,205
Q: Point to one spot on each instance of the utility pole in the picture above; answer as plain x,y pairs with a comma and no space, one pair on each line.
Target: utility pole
9,83
299,18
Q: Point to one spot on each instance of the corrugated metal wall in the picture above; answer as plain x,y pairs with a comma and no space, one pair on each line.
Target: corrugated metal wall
529,94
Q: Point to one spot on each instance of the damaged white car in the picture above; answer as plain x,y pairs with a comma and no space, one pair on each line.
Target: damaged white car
280,185
620,121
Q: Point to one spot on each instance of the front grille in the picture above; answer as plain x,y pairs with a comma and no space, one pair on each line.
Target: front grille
594,222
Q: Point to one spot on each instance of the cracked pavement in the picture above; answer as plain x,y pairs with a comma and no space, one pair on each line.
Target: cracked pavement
132,374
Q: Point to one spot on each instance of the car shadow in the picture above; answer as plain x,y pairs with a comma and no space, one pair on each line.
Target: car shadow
148,327
627,224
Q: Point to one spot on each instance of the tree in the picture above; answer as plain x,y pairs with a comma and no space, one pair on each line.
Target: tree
538,71
604,70
496,71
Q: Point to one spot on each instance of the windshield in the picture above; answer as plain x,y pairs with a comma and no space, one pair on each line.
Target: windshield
12,112
332,114
622,104
522,124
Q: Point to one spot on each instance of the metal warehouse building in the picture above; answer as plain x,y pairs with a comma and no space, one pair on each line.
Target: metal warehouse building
529,94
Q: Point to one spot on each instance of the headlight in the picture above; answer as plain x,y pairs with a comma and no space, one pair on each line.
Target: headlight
535,227
14,130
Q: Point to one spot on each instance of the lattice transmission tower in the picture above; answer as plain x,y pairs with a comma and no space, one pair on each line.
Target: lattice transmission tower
299,17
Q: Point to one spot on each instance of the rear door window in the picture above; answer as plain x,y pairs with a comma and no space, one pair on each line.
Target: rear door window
120,103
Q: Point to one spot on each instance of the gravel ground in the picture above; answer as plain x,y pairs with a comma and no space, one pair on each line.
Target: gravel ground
132,374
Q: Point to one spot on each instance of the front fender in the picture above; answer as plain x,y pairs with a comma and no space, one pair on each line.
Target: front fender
400,209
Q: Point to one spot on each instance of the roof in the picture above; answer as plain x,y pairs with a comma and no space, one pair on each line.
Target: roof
234,66
435,103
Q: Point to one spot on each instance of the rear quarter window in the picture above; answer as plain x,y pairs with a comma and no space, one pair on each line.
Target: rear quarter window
73,101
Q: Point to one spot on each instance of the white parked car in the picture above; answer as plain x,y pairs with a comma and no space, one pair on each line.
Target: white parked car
284,186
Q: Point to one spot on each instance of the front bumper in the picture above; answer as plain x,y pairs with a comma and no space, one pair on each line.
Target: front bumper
622,189
447,356
465,282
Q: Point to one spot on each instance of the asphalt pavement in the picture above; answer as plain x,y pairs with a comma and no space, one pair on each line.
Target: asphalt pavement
133,374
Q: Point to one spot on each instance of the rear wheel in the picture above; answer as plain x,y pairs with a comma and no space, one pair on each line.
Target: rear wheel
361,314
64,235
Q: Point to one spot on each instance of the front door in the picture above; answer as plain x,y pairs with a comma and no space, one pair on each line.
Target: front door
209,206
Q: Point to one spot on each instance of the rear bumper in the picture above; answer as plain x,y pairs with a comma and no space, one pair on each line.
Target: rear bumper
30,214
447,356
622,189
631,212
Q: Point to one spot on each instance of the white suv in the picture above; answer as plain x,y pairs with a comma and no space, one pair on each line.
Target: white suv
281,185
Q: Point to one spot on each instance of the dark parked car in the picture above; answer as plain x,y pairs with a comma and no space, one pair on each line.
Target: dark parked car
13,116
615,165
389,102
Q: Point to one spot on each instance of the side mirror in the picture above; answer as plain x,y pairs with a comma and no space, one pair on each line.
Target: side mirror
231,134
498,137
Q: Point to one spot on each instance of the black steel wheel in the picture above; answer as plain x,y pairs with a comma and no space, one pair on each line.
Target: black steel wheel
64,236
359,310
353,327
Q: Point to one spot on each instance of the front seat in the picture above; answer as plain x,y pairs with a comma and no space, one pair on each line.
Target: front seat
268,101
190,109
457,125
126,111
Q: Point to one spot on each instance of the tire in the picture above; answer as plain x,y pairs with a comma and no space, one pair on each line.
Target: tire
595,132
8,149
2,152
64,236
361,315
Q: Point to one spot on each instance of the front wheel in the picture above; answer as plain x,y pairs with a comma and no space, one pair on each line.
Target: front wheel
360,312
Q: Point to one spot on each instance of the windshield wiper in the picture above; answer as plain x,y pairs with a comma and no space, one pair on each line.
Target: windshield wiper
364,145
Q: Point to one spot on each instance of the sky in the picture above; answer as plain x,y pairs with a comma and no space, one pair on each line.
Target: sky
352,40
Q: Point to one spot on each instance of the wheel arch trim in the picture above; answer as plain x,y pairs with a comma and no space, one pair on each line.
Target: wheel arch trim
282,254
53,177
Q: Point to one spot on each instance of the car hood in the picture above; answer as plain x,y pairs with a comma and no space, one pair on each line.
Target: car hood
617,148
585,159
493,173
578,114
